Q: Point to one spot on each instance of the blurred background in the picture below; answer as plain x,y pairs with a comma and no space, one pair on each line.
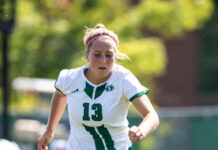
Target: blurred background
173,49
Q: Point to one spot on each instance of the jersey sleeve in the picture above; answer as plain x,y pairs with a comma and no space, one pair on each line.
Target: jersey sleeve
61,82
132,88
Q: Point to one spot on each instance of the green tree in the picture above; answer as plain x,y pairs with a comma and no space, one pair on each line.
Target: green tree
48,34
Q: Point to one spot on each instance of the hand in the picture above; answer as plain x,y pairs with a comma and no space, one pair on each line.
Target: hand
136,134
45,139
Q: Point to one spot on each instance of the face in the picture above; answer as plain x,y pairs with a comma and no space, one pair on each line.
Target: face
101,57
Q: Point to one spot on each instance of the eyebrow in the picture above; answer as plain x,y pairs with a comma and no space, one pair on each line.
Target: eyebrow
105,51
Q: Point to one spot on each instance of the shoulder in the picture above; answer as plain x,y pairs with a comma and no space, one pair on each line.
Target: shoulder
70,73
121,71
68,78
125,76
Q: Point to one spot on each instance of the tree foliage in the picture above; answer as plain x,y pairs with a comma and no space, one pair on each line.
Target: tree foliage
48,34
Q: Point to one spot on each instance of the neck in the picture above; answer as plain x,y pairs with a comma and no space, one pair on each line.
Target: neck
95,78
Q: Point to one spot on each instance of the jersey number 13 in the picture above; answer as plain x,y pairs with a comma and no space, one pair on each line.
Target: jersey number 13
97,116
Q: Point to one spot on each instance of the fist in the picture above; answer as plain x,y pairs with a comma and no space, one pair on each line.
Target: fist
44,140
136,134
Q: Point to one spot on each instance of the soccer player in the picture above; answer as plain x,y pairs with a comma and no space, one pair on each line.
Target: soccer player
98,96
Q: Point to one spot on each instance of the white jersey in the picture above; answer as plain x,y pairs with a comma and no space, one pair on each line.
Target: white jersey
98,113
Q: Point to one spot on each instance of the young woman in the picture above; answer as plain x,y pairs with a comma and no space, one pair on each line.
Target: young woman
98,96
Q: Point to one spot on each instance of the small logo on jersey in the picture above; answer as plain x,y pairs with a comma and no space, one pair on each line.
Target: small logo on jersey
109,88
74,91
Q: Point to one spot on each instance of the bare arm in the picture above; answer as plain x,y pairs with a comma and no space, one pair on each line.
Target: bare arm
150,119
58,105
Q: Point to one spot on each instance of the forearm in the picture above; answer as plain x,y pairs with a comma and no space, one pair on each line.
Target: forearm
58,106
150,118
149,123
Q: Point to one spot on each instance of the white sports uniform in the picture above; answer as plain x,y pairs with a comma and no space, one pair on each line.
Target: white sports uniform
97,113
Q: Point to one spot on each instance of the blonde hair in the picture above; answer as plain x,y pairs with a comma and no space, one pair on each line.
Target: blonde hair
100,29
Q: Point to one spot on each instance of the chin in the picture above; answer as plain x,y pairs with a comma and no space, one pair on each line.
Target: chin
104,73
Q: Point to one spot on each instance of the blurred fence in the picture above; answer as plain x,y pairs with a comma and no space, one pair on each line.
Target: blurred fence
188,128
181,128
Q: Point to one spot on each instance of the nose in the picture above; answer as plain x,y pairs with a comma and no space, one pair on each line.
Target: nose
103,59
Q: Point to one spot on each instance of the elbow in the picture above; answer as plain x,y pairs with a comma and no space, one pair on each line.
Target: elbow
156,121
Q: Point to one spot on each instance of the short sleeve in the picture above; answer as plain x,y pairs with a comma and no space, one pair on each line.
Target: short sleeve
60,84
132,88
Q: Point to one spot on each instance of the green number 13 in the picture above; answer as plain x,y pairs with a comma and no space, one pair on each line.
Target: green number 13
97,116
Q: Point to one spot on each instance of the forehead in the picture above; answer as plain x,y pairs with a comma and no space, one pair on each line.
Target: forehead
103,43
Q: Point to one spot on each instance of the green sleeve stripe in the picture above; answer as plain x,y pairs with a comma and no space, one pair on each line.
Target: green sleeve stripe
139,94
58,89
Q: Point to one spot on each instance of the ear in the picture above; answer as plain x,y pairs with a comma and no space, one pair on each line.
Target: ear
115,59
87,56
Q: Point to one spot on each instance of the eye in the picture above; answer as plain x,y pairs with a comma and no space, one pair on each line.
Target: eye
97,55
109,55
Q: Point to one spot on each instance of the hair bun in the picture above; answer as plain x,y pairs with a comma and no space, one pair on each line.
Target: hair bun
99,26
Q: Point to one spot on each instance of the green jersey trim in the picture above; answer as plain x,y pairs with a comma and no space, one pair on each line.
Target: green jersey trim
105,136
139,94
97,139
89,90
58,89
100,90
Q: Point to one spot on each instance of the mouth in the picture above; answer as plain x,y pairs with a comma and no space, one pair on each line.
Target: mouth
102,68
